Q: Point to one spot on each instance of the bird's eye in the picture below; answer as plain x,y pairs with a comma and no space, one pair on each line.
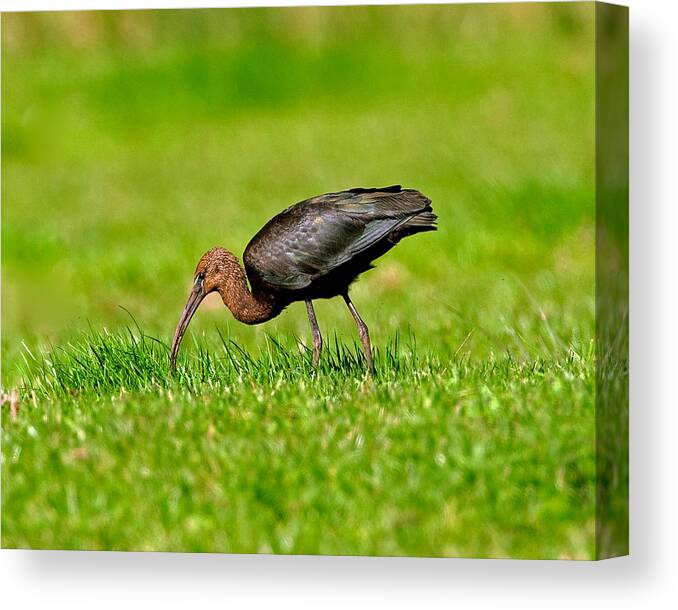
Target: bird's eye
200,277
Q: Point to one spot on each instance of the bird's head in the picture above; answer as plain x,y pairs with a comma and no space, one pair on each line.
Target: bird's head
214,269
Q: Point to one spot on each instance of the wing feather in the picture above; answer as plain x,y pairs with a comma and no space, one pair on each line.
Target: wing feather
316,236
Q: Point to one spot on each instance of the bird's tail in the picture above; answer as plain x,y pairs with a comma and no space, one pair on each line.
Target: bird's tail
424,221
417,223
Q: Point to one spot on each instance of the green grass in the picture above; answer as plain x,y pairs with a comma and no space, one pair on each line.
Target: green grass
133,142
260,453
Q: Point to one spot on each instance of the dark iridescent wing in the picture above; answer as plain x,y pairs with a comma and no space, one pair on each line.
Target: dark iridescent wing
314,237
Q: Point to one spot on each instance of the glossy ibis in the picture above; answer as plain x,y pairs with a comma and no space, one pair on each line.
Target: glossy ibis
312,250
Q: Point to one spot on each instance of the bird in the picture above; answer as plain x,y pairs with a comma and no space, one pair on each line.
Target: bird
314,249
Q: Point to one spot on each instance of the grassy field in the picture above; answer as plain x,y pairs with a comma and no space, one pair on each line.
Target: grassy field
133,142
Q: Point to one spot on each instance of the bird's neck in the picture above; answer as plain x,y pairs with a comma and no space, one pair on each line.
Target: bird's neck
246,306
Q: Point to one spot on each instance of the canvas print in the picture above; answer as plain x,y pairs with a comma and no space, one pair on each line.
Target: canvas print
320,280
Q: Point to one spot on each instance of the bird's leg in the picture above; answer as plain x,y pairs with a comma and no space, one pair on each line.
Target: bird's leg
317,337
363,333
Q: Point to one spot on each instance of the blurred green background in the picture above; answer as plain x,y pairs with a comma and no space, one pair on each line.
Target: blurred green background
134,141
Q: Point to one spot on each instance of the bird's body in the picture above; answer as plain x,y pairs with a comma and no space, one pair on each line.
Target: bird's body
312,250
316,248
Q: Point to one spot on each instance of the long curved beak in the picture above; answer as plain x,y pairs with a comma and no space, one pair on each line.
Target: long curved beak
194,300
